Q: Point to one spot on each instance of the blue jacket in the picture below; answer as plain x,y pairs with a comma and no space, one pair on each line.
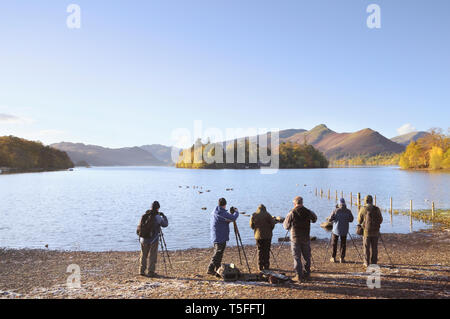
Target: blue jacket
341,217
220,225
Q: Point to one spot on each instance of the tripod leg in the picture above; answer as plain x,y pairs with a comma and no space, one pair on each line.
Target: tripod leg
274,259
390,260
237,242
243,250
167,251
279,249
164,257
328,246
357,250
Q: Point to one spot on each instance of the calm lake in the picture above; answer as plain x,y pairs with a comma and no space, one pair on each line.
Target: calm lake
97,209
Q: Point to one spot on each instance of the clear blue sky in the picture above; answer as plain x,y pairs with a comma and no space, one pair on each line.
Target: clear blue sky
136,70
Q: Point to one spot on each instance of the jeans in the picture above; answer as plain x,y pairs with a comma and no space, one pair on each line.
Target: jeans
371,243
150,252
299,249
263,253
216,259
334,243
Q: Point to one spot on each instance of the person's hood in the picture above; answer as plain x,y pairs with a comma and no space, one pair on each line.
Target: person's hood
261,209
368,200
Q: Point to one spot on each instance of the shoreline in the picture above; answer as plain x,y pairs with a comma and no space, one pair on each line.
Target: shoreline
421,270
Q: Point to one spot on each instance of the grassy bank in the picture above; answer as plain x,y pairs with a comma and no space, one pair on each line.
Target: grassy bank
441,216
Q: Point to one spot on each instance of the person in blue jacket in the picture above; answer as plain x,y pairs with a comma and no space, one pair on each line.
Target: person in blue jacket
220,231
340,218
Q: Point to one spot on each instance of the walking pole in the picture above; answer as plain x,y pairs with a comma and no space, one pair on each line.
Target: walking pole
390,260
242,246
164,257
167,251
284,239
357,250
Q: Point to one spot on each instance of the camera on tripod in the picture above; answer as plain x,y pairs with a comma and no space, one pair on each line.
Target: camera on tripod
278,219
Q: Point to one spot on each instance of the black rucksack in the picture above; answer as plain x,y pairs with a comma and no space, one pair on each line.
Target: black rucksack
146,227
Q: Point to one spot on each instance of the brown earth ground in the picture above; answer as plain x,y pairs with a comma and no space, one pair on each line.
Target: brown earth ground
421,270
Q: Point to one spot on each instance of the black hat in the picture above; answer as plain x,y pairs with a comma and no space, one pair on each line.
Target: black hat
222,201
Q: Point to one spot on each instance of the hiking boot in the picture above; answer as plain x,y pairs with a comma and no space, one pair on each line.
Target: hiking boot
211,272
342,260
297,278
306,276
333,260
152,274
142,274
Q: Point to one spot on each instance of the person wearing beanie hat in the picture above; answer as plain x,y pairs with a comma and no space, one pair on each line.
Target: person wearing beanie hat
340,217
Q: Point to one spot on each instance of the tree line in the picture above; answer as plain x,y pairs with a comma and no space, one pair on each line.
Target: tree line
429,152
250,155
19,153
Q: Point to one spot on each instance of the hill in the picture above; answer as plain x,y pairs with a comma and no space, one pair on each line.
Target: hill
102,156
366,142
21,154
161,152
405,139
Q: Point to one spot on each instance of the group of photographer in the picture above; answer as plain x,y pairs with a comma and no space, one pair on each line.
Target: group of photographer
298,222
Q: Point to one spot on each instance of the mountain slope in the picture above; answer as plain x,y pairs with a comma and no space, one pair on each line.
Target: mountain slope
102,156
161,152
405,139
338,145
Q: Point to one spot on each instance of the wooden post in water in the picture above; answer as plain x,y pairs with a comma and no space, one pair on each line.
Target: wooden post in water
336,197
359,200
432,211
316,191
351,199
342,194
390,208
410,213
321,193
375,199
329,194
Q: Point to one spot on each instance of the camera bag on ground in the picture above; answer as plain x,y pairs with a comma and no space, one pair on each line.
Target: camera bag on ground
229,272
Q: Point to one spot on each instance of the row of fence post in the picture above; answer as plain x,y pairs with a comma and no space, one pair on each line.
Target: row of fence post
358,203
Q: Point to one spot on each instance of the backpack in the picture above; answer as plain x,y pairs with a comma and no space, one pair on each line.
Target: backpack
229,272
372,221
146,227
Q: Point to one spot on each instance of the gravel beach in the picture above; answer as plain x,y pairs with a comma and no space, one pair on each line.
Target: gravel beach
421,270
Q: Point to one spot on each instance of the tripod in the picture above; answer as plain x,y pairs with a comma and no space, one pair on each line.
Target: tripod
164,250
351,237
390,260
240,246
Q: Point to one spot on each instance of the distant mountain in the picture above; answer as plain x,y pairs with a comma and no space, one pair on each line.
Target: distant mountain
335,145
161,152
405,139
21,154
102,156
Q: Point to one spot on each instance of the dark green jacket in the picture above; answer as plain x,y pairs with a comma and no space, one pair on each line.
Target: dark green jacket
262,223
377,219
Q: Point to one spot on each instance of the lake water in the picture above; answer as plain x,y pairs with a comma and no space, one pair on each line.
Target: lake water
97,209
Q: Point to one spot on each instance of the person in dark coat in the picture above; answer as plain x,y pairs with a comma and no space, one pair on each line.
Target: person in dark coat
262,224
298,222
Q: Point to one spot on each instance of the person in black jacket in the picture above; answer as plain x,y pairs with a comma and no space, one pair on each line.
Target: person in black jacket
298,221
